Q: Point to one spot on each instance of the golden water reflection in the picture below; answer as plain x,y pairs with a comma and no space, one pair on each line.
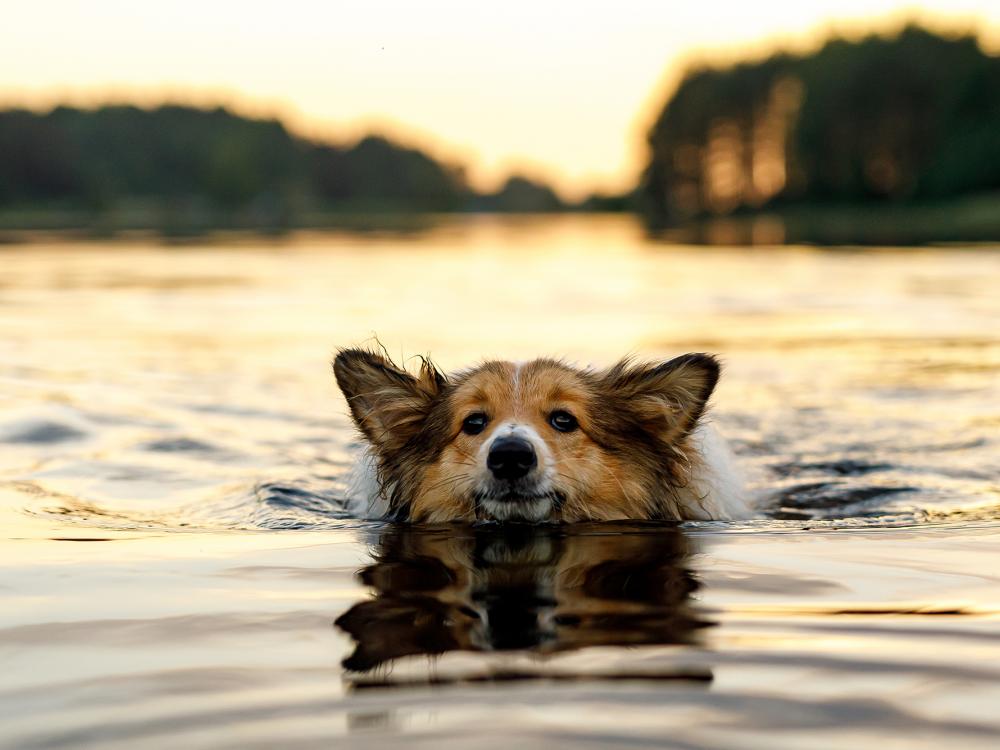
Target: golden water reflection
176,402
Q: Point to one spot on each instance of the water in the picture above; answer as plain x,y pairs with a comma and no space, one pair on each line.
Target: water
173,455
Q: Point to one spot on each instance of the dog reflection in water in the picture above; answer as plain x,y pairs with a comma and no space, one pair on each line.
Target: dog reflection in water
543,589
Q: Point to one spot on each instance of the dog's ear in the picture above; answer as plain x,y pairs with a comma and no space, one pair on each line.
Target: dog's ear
666,399
389,405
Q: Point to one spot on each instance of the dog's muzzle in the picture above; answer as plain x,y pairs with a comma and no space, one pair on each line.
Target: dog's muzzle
516,489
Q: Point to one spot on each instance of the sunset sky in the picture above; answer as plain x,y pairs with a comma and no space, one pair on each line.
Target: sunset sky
562,91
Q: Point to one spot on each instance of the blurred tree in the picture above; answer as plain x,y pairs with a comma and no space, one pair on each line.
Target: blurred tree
909,117
520,194
173,156
378,174
38,161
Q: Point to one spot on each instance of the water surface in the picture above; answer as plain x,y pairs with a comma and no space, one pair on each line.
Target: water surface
173,455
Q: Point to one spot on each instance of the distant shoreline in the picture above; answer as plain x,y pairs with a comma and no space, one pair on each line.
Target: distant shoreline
969,219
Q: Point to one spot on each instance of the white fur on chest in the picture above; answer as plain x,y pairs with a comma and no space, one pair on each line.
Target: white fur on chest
364,499
716,491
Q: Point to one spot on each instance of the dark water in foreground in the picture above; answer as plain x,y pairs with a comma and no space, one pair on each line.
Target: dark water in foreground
175,554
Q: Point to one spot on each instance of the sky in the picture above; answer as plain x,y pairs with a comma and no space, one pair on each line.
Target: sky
562,91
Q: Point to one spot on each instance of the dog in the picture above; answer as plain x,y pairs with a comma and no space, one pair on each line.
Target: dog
539,441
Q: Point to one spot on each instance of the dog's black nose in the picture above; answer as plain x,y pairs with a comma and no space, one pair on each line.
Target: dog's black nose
511,458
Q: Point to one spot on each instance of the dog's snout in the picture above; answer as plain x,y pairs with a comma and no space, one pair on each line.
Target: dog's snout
511,458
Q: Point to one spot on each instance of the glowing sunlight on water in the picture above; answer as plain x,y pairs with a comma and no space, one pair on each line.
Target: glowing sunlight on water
174,454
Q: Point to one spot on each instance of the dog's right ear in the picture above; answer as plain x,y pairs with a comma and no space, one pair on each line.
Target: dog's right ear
389,405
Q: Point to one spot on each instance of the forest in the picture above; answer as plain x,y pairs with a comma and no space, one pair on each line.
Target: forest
880,139
882,122
194,166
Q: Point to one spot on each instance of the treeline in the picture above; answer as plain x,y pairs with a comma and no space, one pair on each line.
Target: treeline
212,165
903,120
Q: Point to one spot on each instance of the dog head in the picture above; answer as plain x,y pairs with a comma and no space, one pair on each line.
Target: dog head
531,442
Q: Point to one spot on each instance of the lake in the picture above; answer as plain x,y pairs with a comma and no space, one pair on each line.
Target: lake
178,568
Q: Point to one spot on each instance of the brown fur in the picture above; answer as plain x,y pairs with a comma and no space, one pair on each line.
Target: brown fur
627,460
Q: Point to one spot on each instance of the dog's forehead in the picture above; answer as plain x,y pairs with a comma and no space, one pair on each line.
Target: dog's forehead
519,381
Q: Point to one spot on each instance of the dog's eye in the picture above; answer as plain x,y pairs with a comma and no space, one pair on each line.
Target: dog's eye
563,421
474,423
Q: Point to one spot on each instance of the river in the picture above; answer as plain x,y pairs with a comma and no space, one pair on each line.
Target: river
178,567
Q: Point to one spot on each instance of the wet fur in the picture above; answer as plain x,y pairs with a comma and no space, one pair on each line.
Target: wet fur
639,452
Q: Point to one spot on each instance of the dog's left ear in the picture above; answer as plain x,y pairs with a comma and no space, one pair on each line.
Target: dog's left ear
666,399
389,405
